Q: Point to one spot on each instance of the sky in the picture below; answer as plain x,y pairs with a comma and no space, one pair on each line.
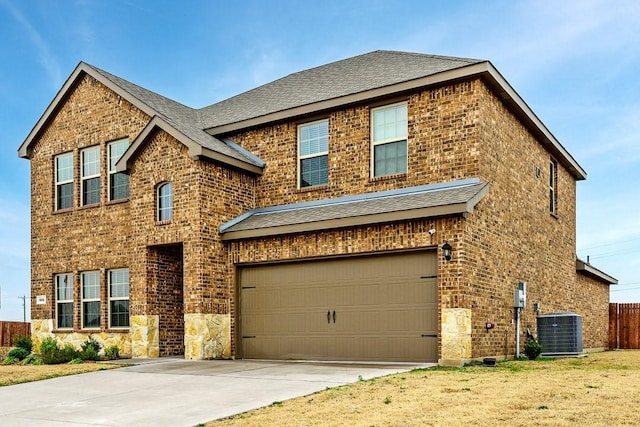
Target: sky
576,63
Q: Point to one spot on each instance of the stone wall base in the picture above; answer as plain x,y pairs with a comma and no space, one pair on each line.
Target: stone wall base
145,338
456,336
207,336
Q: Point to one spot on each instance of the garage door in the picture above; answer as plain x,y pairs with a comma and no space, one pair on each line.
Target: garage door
373,308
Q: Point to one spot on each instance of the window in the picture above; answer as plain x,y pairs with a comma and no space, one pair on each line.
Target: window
64,181
64,301
118,181
553,187
313,146
90,299
119,298
165,202
389,140
90,173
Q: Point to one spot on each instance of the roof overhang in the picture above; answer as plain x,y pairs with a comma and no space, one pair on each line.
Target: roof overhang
427,201
196,151
65,91
588,269
483,70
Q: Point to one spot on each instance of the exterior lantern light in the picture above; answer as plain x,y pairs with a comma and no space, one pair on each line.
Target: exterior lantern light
446,251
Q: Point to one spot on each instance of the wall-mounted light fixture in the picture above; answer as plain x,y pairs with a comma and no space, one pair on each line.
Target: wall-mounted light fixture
446,251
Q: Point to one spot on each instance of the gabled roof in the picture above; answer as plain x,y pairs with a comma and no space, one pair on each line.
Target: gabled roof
365,77
589,270
177,119
451,198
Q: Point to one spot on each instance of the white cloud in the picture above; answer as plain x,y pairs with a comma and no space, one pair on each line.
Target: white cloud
44,54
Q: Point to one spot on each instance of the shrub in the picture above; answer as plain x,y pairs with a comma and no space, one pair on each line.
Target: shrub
532,349
9,360
25,342
18,353
52,354
90,349
112,352
32,359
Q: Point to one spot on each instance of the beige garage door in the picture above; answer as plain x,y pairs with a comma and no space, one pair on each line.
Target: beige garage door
373,308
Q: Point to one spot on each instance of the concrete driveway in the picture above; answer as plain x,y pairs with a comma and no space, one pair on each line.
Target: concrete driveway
174,392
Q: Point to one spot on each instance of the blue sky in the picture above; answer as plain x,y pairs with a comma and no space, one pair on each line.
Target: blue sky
576,63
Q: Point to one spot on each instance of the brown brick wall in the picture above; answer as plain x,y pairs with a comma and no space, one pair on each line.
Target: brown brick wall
592,303
82,238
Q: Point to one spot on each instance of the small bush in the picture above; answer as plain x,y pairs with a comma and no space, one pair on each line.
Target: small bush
26,343
92,344
32,359
532,349
18,353
52,354
112,352
10,360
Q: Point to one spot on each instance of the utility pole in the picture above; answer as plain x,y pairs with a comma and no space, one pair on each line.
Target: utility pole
24,307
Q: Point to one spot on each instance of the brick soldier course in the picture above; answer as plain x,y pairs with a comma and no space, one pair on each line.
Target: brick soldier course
465,127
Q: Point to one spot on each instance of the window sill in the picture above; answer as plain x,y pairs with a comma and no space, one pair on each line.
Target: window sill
397,176
165,222
117,202
62,211
313,188
91,206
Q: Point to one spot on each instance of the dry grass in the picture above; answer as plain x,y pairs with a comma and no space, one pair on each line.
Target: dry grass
599,390
16,374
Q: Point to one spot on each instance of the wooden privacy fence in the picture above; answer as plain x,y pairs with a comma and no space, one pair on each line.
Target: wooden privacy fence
10,330
624,326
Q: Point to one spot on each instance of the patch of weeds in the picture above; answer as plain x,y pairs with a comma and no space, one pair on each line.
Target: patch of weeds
76,361
418,370
592,386
32,359
360,378
387,400
542,407
277,403
575,363
466,389
10,360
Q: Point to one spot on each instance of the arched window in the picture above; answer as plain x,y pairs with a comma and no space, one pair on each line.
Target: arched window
165,202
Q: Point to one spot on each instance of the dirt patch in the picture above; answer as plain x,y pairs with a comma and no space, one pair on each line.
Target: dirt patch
598,390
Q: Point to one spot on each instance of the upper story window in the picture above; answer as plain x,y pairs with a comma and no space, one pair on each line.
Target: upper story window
389,139
313,154
119,298
90,286
553,187
90,175
64,181
64,300
118,181
165,202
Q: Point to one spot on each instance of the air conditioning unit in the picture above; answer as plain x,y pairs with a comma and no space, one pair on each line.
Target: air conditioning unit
560,334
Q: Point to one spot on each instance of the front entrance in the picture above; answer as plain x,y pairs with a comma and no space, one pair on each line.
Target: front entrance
165,275
363,308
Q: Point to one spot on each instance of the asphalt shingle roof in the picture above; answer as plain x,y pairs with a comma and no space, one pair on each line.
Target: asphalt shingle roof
349,76
413,198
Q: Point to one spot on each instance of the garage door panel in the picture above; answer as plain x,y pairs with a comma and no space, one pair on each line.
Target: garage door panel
384,306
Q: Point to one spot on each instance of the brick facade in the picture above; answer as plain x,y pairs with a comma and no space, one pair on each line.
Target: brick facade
183,292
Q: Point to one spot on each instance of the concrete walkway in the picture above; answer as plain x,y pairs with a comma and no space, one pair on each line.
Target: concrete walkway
174,392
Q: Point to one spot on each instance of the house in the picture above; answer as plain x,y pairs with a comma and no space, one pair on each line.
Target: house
380,208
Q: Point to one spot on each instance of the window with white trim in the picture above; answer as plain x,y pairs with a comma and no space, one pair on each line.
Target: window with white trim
90,290
313,154
553,187
64,181
64,300
389,140
165,202
118,298
118,181
90,175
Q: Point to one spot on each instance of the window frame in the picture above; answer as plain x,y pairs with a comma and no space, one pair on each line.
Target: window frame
317,154
58,301
553,187
85,178
112,299
160,207
387,141
84,299
59,183
112,171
